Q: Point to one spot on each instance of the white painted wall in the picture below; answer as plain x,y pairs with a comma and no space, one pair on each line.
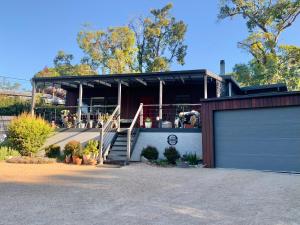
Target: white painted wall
187,143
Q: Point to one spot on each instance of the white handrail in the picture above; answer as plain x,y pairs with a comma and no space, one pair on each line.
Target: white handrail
129,131
104,131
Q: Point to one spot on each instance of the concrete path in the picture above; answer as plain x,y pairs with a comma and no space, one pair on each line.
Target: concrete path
141,194
62,137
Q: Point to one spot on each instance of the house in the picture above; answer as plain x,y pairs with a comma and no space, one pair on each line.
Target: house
172,101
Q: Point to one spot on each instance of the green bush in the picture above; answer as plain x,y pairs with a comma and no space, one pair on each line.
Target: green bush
72,147
53,151
91,147
171,154
13,106
150,153
191,158
7,152
30,160
28,134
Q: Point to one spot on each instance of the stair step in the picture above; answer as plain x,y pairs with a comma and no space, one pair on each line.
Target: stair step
117,158
119,149
117,154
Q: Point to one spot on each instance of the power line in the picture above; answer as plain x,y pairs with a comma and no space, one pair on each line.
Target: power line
14,78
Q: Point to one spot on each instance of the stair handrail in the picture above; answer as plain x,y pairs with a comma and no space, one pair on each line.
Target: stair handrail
104,132
130,129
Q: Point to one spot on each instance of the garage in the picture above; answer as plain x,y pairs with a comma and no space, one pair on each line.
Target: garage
263,139
259,132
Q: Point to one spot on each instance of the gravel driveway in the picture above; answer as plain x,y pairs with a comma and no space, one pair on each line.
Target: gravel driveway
141,194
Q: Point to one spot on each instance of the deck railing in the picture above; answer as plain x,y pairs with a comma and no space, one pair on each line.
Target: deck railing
107,133
173,115
67,116
136,123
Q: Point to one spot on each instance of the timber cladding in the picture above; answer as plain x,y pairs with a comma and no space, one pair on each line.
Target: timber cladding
239,102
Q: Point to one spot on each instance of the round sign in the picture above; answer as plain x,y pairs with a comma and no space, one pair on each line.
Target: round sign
172,139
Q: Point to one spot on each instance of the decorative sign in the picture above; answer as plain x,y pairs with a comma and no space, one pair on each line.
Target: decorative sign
172,139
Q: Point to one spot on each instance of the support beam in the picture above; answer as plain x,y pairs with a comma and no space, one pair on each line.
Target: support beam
79,103
69,85
122,82
160,99
229,89
182,79
103,83
88,85
119,101
141,81
33,97
205,86
163,82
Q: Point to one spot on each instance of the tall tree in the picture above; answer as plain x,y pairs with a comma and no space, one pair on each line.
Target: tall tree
159,39
113,49
266,20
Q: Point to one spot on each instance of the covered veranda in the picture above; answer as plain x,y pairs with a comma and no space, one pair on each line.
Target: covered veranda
163,94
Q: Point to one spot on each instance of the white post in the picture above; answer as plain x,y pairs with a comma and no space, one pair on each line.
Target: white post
79,103
119,102
128,144
205,86
142,115
33,97
101,147
229,89
160,99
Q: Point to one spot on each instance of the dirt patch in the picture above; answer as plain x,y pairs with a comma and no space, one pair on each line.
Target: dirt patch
36,173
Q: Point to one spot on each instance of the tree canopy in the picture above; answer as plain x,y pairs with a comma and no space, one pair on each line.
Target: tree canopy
266,20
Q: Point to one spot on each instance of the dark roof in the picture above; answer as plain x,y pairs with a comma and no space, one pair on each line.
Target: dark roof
147,77
264,87
258,95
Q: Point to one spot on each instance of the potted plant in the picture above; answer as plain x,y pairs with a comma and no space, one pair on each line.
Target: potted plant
77,156
90,152
148,122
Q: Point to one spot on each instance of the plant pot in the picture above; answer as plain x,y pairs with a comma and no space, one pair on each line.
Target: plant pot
74,158
86,159
68,159
78,161
92,162
148,124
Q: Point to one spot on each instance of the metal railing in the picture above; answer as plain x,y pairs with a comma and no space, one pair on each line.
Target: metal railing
133,129
108,132
173,115
67,116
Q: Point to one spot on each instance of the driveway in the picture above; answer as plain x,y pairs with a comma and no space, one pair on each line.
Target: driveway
141,194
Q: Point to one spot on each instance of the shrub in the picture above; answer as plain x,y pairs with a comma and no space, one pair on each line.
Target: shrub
191,158
91,147
171,154
28,134
53,151
150,153
7,152
72,147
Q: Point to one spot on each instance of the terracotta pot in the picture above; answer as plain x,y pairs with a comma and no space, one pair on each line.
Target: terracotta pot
74,158
92,162
78,161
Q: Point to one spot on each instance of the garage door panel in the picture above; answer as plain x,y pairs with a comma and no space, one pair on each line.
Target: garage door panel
267,139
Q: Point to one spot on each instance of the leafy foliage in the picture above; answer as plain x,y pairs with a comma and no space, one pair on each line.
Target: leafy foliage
159,39
91,147
72,147
191,158
7,152
150,153
27,134
266,20
53,151
171,154
113,49
11,106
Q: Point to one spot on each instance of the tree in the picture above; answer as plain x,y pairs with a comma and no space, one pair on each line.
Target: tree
113,49
62,62
47,72
265,20
159,39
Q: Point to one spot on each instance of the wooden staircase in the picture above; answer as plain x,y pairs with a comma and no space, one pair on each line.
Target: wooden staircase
118,150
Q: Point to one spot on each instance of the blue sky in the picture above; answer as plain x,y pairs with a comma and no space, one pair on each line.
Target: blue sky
32,31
